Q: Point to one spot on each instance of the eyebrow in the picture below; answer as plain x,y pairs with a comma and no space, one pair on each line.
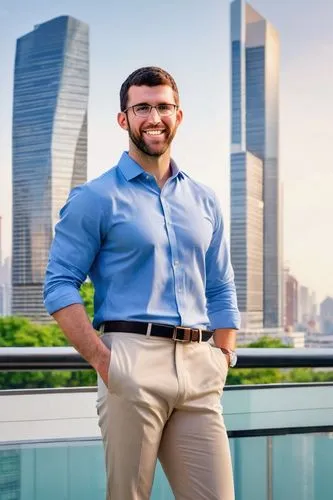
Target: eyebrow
147,103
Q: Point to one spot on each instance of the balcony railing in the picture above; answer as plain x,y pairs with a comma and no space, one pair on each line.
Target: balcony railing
281,436
67,358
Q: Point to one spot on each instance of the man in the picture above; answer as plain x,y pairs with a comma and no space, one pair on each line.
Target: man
152,241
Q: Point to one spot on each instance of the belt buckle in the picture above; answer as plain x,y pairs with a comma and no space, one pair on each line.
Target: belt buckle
189,334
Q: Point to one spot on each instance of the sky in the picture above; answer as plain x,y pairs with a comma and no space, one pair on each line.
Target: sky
190,39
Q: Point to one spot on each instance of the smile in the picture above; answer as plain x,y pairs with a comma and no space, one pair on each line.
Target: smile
154,132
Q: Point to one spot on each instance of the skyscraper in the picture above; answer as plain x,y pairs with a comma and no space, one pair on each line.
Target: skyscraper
255,118
304,305
5,288
247,236
291,314
51,87
326,316
0,244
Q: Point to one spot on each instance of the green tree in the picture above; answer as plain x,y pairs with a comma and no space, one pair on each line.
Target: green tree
298,375
267,342
87,294
20,332
240,376
16,331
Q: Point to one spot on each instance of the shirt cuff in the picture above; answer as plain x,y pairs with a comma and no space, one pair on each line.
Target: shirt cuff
58,299
225,319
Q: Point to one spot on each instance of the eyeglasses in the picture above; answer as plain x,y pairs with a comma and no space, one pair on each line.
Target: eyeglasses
145,109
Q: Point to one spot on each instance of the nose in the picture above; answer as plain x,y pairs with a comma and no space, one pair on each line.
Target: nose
154,117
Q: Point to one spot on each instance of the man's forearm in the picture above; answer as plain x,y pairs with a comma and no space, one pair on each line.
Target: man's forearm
75,324
226,338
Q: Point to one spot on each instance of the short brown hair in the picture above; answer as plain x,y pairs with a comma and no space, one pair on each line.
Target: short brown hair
151,76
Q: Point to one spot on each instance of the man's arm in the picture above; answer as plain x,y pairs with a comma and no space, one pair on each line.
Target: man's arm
78,239
225,337
75,324
220,288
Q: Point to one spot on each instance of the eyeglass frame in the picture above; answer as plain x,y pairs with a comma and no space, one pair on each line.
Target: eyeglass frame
175,108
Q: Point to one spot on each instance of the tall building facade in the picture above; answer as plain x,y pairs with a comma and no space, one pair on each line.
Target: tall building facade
291,314
5,299
246,242
255,119
304,305
313,303
5,288
0,244
326,316
51,87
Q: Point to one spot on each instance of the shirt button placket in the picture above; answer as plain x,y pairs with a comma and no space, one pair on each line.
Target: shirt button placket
174,254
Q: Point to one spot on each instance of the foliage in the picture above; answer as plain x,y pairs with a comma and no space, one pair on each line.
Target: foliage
307,375
87,294
267,342
16,331
20,332
254,376
276,376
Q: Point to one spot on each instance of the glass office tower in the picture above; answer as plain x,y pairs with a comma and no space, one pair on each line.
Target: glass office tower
51,87
246,240
255,119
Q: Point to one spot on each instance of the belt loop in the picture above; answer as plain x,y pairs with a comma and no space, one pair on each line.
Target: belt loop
148,329
101,329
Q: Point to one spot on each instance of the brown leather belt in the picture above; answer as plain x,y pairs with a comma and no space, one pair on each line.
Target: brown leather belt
176,333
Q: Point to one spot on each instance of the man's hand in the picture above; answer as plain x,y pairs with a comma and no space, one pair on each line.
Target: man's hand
102,367
75,324
227,357
225,338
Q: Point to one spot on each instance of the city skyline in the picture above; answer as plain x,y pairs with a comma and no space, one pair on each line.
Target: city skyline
51,88
256,224
305,105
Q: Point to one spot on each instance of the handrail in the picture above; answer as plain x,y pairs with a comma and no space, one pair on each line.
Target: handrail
67,358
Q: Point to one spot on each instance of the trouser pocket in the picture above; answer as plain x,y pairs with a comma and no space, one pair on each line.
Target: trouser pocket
220,362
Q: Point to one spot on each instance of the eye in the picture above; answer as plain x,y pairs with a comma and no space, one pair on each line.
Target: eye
142,108
165,107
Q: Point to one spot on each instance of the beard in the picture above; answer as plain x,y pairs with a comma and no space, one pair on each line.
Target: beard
139,142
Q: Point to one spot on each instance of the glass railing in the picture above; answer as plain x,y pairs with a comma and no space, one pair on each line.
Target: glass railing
293,467
67,358
283,467
281,436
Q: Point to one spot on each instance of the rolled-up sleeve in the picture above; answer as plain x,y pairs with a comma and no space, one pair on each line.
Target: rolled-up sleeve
77,240
221,295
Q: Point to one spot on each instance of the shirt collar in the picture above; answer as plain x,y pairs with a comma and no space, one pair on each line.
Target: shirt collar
131,169
175,170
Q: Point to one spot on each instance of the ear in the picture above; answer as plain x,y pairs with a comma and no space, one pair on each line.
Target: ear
122,120
179,116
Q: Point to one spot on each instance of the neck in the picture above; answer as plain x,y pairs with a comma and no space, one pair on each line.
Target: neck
158,166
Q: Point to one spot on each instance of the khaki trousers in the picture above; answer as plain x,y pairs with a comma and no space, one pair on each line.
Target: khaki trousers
163,401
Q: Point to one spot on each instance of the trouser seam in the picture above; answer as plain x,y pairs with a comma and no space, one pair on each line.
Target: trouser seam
140,465
183,462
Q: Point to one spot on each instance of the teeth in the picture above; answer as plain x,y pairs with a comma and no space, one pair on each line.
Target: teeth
154,132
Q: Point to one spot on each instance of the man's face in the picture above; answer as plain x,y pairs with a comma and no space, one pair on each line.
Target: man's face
152,134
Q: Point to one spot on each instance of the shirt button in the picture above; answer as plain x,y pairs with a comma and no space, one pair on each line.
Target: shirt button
179,289
176,262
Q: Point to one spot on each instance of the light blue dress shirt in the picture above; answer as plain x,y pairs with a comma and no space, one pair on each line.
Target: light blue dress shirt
156,255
